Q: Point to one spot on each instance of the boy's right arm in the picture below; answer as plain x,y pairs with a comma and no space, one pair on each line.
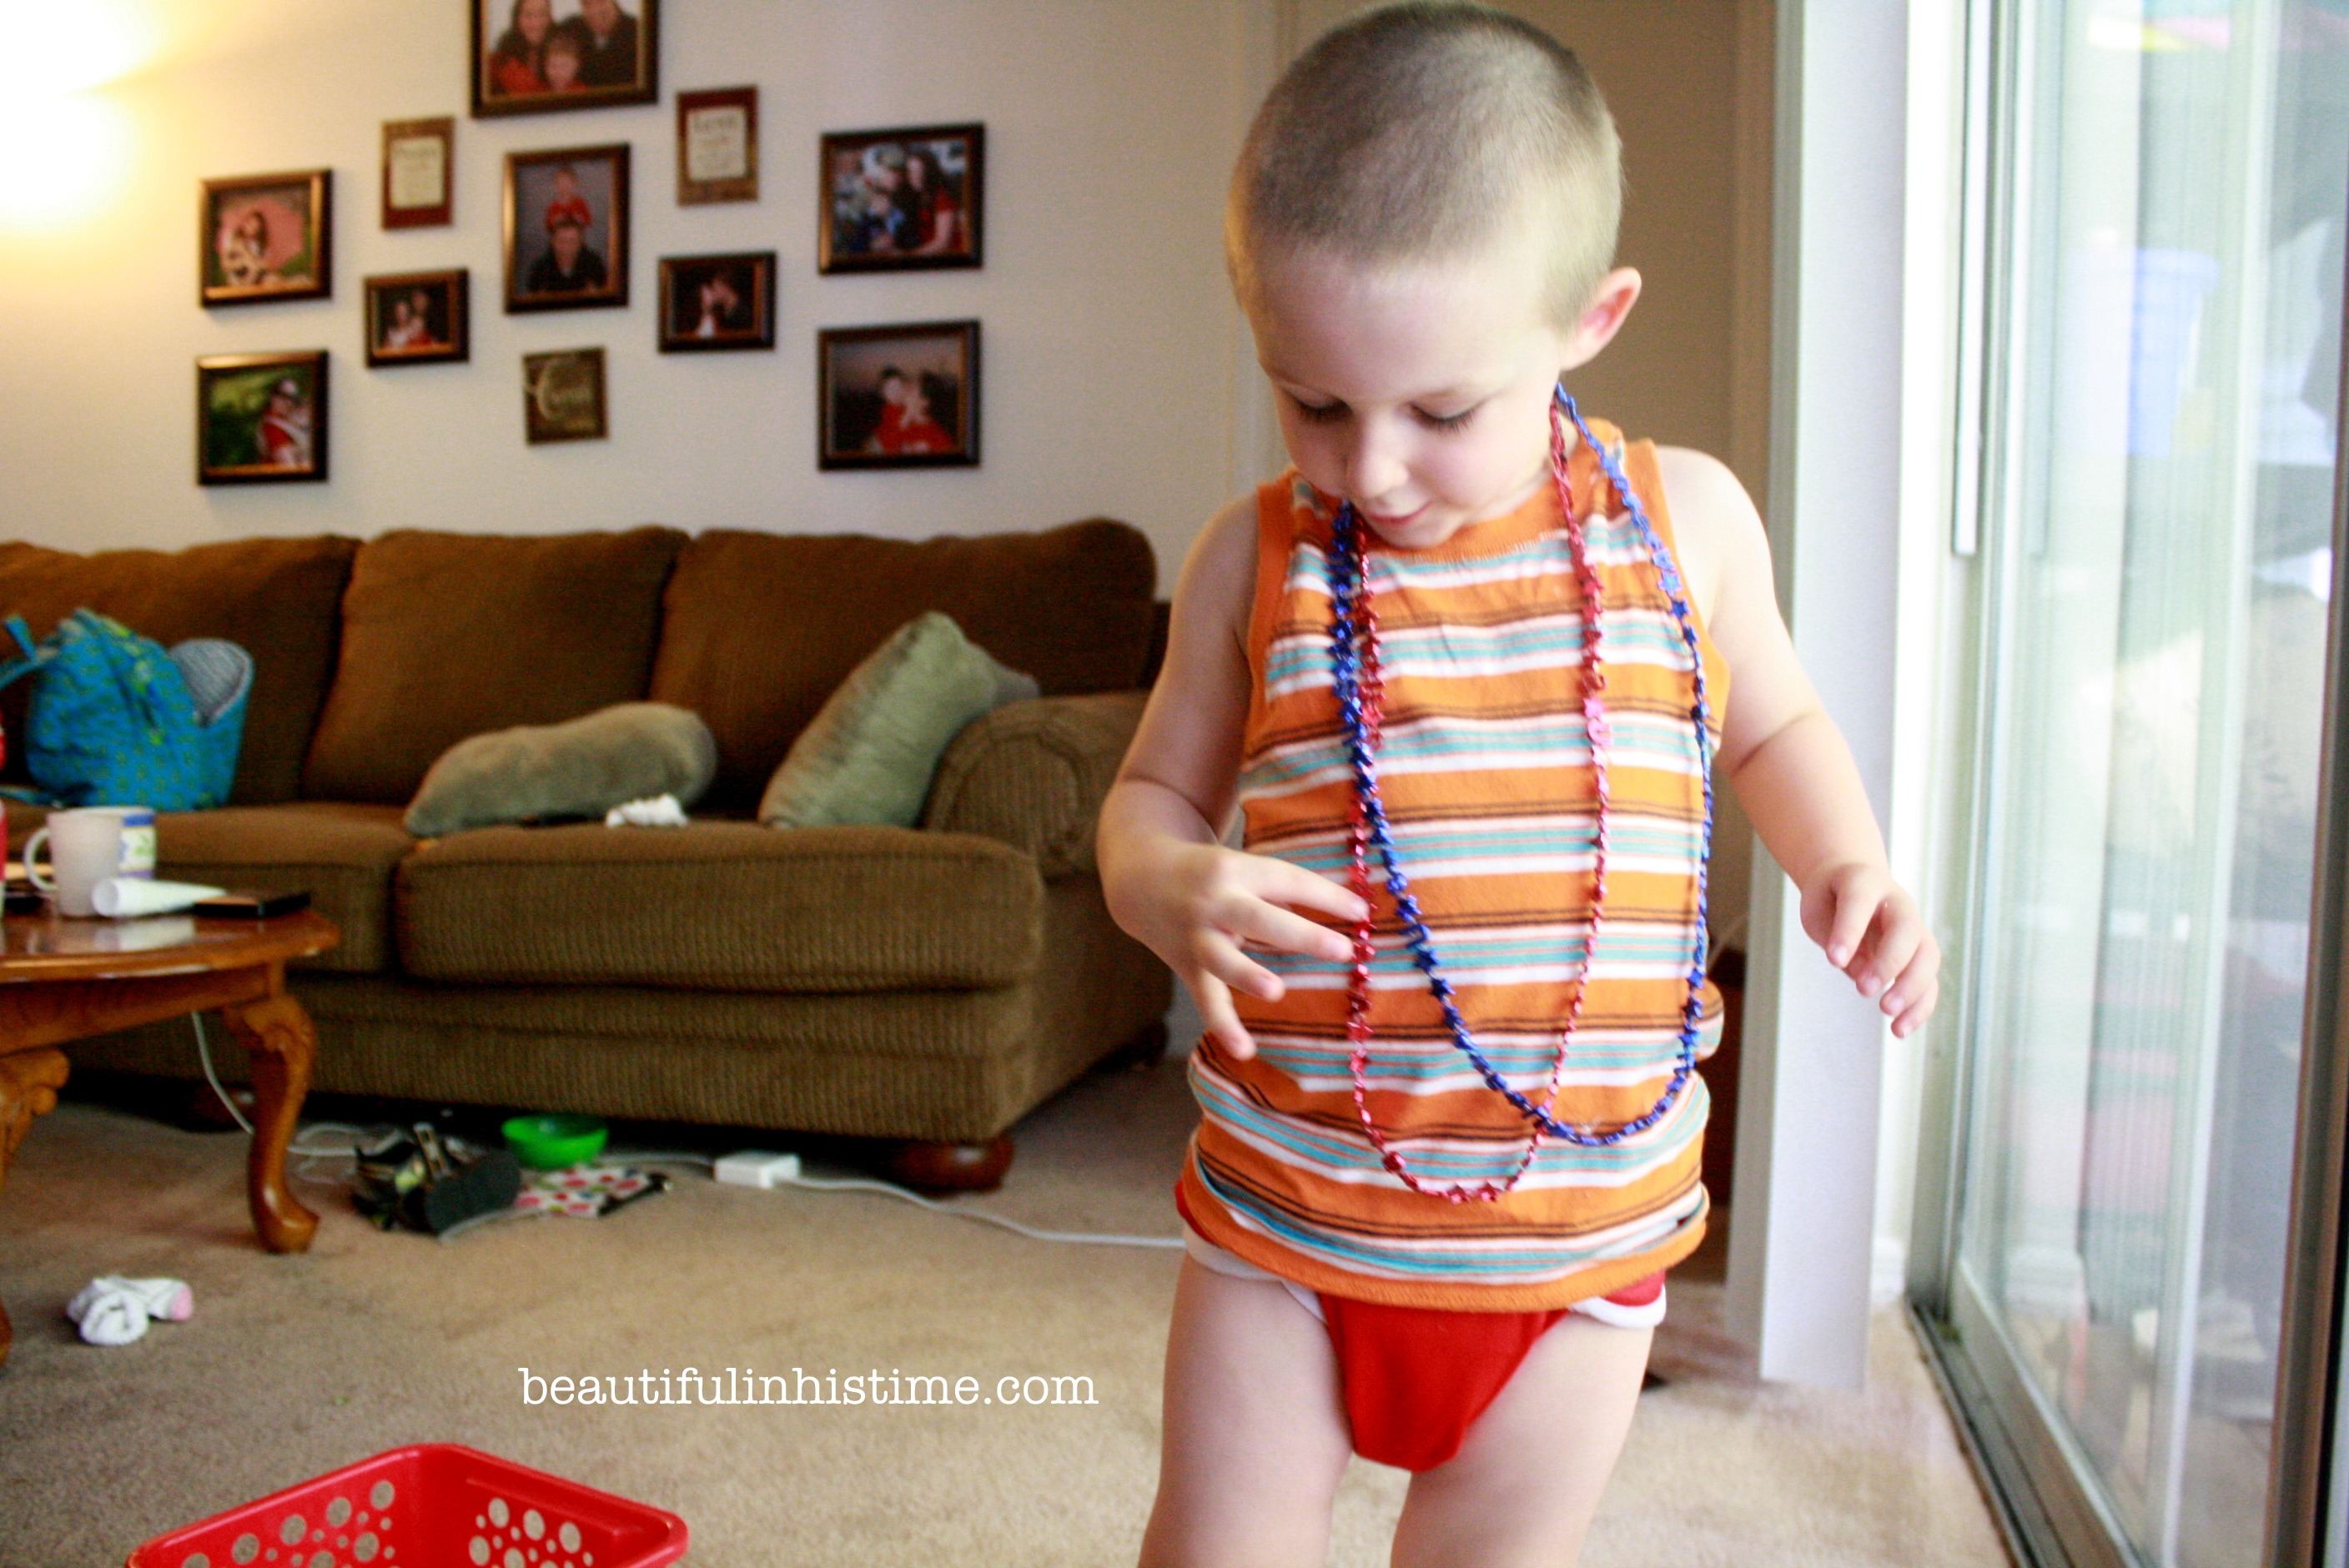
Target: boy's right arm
1167,877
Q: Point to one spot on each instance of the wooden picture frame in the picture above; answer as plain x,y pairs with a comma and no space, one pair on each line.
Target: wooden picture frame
265,237
581,189
420,161
261,419
899,397
718,146
900,201
718,301
563,397
541,57
418,318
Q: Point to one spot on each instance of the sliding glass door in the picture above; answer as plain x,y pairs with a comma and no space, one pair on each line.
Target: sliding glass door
2158,354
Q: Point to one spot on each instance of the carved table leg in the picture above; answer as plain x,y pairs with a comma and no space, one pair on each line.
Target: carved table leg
29,1083
278,1035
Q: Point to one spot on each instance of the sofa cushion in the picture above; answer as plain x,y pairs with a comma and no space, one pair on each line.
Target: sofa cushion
343,854
446,636
869,753
724,906
580,768
277,599
760,629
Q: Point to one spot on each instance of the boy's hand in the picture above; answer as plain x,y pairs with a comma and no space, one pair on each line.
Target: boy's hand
1206,903
1872,931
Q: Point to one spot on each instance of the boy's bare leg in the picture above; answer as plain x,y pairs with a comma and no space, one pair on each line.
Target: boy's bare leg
1256,1435
1523,1488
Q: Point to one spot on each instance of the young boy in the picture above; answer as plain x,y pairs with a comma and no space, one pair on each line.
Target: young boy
1461,689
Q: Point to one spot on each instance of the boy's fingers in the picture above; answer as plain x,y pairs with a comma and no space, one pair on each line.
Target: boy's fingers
1848,929
1912,1017
1890,957
1216,1017
1222,960
1919,978
1274,926
1282,882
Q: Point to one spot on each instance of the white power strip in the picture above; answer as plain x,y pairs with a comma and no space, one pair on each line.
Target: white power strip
756,1168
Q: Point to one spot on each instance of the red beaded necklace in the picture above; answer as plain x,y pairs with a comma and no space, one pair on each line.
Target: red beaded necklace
1360,687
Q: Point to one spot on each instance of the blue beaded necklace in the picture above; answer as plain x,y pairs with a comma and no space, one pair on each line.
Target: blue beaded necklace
1354,650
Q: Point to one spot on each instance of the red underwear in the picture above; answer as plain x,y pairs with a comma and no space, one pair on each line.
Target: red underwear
1416,1378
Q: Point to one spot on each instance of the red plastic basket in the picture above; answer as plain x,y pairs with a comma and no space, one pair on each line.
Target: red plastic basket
429,1505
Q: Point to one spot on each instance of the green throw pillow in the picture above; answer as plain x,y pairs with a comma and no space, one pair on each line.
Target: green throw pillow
581,767
867,756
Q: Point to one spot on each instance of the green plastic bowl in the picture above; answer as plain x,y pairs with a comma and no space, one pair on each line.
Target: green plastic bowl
551,1142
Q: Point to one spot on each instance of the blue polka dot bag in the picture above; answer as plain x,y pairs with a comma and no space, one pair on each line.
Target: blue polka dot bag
116,719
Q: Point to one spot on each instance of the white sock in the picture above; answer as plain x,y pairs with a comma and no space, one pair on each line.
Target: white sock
166,1300
106,1314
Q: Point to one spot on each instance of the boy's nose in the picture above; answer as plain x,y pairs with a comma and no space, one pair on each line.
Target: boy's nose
1374,466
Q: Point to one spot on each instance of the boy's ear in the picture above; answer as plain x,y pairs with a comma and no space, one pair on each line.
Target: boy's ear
1603,317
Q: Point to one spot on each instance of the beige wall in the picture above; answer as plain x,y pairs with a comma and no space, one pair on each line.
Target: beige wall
1109,336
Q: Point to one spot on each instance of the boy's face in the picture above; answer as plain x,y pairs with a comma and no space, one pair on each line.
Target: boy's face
1420,392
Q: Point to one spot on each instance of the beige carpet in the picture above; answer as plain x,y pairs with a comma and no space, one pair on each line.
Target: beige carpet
294,1365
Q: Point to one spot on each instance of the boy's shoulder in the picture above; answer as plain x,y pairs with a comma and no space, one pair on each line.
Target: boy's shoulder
1716,532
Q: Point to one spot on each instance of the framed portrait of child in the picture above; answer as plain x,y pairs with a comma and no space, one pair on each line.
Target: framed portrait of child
266,237
899,397
418,318
261,417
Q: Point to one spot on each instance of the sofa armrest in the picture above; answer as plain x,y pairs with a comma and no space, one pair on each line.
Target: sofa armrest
1032,775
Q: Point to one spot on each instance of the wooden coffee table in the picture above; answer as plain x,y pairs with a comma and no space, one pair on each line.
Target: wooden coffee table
63,979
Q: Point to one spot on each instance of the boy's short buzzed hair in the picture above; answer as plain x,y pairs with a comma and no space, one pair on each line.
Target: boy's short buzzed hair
1421,130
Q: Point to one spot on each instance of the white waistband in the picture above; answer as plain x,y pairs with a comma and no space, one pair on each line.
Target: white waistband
1224,1261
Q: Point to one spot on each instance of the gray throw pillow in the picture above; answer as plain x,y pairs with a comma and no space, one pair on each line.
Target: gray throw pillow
868,754
581,767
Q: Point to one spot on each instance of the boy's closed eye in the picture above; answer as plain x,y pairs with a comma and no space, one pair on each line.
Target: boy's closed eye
1330,413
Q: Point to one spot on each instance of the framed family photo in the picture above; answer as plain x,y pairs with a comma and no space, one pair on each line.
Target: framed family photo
718,146
534,57
418,318
899,397
899,200
563,396
718,301
419,158
566,227
266,237
261,417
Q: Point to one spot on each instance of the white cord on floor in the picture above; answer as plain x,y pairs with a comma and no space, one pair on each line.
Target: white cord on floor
861,1185
858,1184
204,1049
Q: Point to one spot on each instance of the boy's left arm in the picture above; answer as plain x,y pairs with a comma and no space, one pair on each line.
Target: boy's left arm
1785,759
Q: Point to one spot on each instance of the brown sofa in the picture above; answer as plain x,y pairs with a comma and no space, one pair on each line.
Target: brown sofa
928,985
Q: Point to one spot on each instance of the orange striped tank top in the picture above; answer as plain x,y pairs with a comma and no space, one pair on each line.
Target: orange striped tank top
1486,768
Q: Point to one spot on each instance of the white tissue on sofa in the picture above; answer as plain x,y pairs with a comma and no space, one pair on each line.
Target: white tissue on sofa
652,811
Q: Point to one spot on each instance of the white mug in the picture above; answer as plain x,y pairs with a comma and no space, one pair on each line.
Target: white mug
86,845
